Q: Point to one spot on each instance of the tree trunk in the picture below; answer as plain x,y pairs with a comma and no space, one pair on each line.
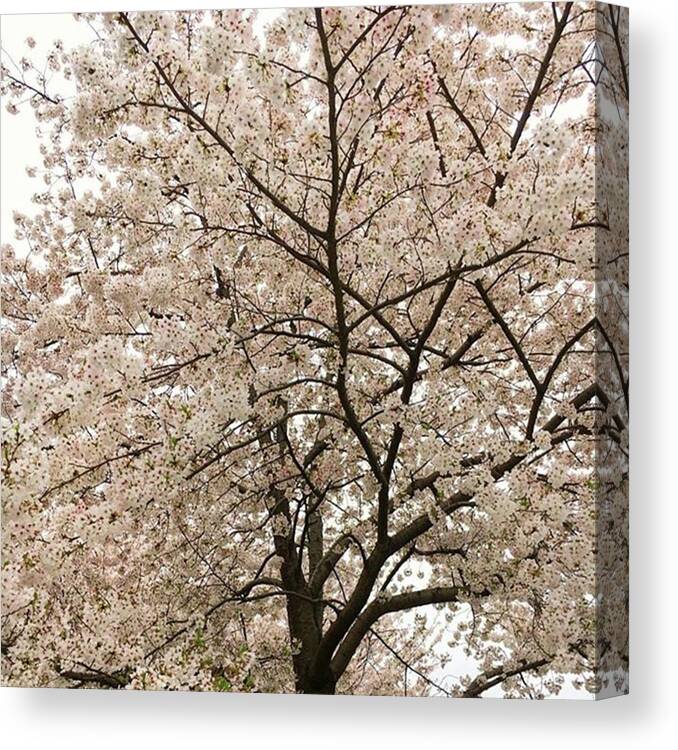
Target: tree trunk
318,682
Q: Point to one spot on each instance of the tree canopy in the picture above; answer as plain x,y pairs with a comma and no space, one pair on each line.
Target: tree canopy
314,354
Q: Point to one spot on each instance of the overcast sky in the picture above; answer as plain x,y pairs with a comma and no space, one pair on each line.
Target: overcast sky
18,141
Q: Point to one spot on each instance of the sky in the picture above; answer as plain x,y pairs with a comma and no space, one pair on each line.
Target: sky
19,145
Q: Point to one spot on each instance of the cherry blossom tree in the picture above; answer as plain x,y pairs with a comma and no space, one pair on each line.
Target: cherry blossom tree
314,362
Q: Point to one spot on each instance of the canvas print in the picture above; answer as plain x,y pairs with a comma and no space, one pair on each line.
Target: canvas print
314,350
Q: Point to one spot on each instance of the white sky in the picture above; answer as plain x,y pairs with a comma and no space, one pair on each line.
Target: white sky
18,140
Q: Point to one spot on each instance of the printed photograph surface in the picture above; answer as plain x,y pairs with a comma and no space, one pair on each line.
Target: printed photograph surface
315,350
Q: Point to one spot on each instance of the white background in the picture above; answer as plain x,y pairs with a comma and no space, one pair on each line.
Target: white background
646,718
